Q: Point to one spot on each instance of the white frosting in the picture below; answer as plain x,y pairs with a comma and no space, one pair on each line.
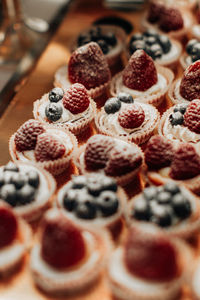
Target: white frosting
173,53
11,254
177,94
196,279
188,60
196,31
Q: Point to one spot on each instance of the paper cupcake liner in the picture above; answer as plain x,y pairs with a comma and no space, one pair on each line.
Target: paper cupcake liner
138,138
172,96
76,127
55,167
154,99
121,180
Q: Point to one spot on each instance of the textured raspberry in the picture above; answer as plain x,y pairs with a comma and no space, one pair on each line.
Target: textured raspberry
154,12
170,19
140,73
97,151
185,163
198,16
88,65
150,254
26,135
159,152
62,242
124,158
192,116
8,226
48,147
132,116
76,99
190,83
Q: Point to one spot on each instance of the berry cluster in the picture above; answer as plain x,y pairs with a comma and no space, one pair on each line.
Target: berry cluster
164,205
177,117
113,104
54,110
193,49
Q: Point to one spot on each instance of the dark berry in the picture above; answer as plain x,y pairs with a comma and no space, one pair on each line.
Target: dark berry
112,105
151,40
165,43
156,51
136,37
33,178
181,206
103,45
150,32
164,197
150,193
56,94
190,45
172,188
70,199
195,49
137,45
7,176
110,38
11,167
79,182
8,193
108,184
181,108
108,203
53,112
162,215
1,179
94,187
124,97
83,39
95,33
85,210
176,118
141,209
19,180
26,194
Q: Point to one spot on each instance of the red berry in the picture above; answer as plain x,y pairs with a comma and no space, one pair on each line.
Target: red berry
170,19
62,244
88,65
48,147
140,73
123,158
159,152
97,151
76,99
8,226
190,83
26,135
198,16
192,116
154,12
150,255
132,116
185,163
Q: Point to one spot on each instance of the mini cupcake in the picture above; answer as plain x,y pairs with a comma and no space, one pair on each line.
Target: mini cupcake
109,156
148,265
88,66
73,110
166,161
191,54
145,81
67,259
93,200
51,148
15,236
165,51
124,118
186,89
171,206
181,123
27,188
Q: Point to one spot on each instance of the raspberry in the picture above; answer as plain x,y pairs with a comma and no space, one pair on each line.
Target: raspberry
185,163
190,83
97,151
192,116
132,116
8,226
170,19
159,152
88,65
26,135
76,99
140,73
48,147
62,243
150,254
124,158
154,12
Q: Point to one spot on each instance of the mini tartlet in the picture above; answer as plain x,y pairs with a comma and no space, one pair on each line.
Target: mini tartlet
149,265
146,81
191,53
87,65
112,157
126,119
28,188
93,201
51,148
77,260
73,110
172,207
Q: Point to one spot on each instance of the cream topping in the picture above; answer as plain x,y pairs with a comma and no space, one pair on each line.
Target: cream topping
177,94
11,254
173,53
196,31
195,281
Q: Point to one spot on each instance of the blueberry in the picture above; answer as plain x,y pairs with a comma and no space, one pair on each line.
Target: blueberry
181,205
156,51
136,37
164,197
165,43
8,193
195,57
176,118
94,187
150,32
95,33
103,45
108,203
53,111
150,193
141,209
8,175
108,183
83,39
189,46
181,108
19,180
195,49
70,199
112,105
1,179
110,38
26,194
33,178
137,45
11,167
56,94
85,210
162,215
172,188
124,97
151,40
79,182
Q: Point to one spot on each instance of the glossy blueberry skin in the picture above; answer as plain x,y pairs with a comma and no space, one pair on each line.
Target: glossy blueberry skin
103,45
112,105
8,193
108,203
56,94
141,210
25,195
156,51
33,178
162,215
172,188
137,45
181,205
124,97
110,38
165,43
176,118
150,193
85,210
19,180
181,108
53,112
